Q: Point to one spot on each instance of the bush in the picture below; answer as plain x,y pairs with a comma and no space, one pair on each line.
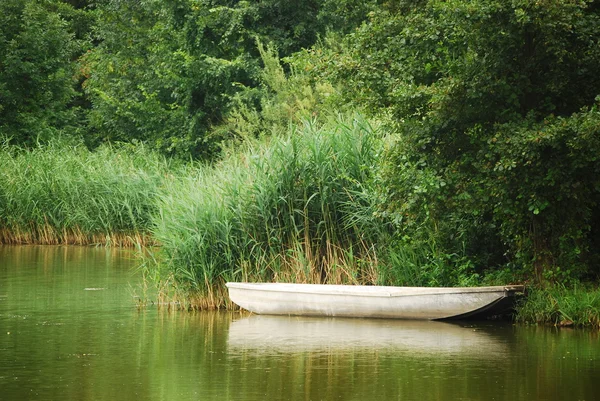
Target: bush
493,103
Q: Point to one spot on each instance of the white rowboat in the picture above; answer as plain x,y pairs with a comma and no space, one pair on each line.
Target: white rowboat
372,301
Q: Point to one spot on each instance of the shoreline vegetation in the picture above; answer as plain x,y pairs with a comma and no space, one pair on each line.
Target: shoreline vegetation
296,208
62,193
428,143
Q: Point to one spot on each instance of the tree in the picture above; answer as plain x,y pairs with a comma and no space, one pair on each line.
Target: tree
165,72
494,102
36,71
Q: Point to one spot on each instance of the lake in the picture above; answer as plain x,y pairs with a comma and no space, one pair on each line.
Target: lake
71,329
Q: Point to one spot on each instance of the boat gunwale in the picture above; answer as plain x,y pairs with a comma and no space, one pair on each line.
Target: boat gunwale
350,290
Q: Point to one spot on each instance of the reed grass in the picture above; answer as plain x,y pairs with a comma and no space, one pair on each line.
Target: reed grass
288,209
66,194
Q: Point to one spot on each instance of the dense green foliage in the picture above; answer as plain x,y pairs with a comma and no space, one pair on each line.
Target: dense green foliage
167,72
497,126
483,167
293,208
458,63
37,71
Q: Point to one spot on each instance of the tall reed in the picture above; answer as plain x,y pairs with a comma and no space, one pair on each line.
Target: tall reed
288,208
64,193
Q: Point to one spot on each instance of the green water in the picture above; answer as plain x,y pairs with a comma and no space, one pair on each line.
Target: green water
70,330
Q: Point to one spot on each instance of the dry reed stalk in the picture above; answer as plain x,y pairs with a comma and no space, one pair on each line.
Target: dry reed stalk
172,297
47,235
337,266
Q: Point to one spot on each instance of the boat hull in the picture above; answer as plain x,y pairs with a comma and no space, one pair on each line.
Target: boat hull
369,301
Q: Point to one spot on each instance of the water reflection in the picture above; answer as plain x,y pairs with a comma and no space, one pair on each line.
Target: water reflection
62,338
281,334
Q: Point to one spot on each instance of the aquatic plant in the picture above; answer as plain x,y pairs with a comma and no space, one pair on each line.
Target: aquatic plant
561,306
65,194
287,208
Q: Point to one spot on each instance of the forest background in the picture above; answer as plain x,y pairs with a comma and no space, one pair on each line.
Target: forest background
434,143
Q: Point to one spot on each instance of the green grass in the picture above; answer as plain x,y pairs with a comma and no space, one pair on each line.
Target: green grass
562,306
66,194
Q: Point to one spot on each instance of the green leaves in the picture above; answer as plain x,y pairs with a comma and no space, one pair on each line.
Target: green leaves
168,73
36,71
492,99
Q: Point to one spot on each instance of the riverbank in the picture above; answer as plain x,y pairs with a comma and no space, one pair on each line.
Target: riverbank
304,207
555,306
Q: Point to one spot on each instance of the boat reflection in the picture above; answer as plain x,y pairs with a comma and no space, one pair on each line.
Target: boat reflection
285,334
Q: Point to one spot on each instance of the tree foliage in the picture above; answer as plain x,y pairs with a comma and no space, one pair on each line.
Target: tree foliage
495,104
166,72
37,72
